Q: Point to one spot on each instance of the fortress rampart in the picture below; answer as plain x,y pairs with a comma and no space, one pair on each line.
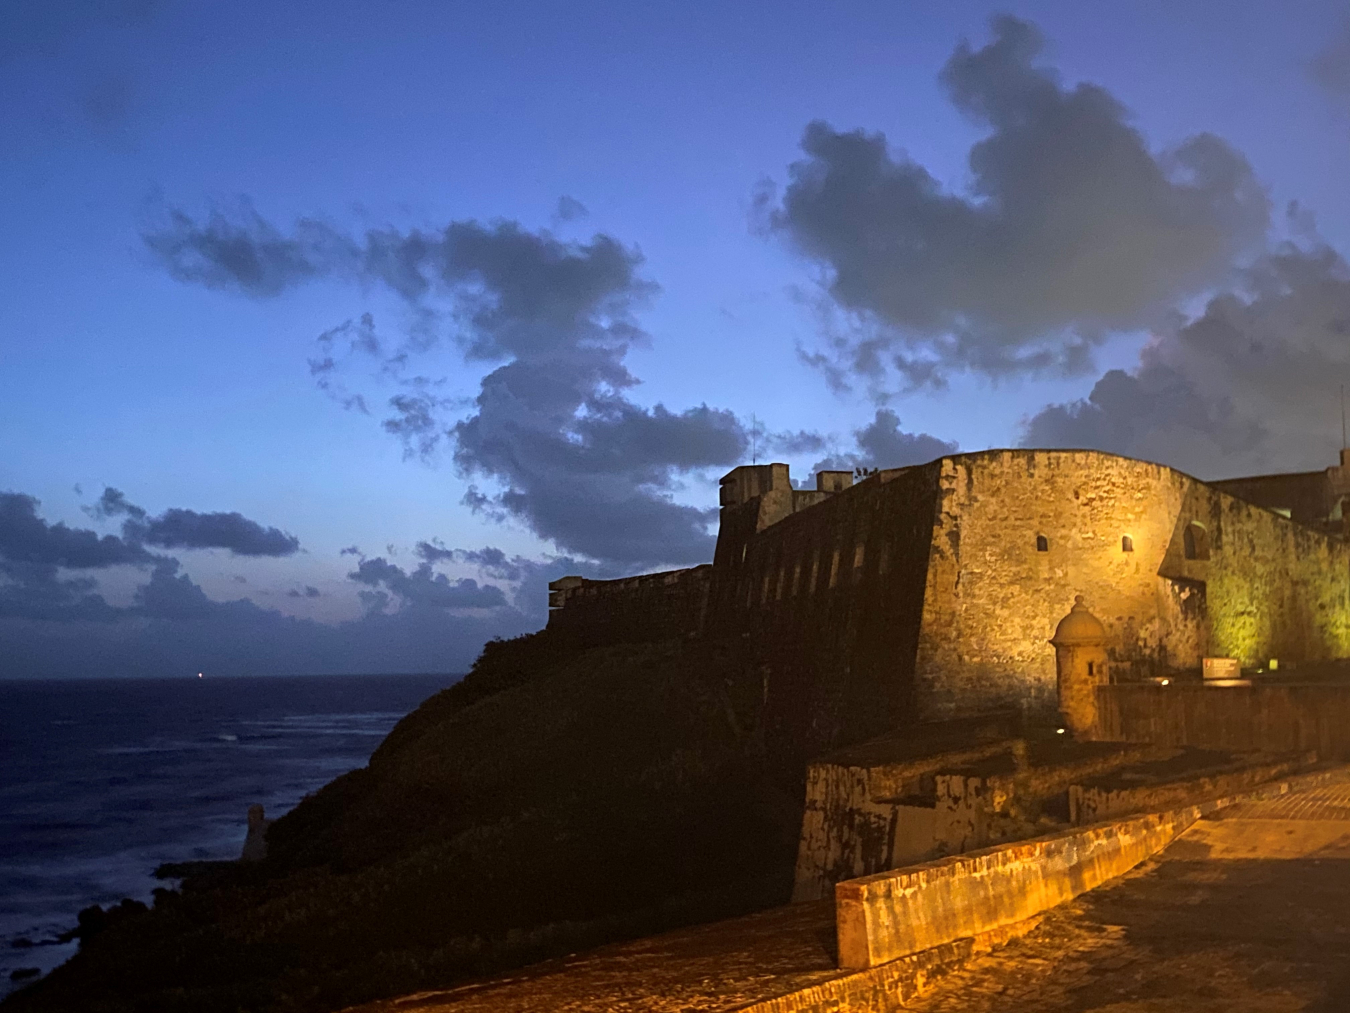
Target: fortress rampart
932,592
655,606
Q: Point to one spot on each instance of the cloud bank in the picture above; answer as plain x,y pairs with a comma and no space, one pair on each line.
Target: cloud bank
1071,227
1251,384
552,429
883,444
188,529
55,620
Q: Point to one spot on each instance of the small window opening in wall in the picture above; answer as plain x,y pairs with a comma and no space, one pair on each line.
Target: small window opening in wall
1126,543
859,556
1091,666
1042,543
815,572
796,578
834,568
1195,541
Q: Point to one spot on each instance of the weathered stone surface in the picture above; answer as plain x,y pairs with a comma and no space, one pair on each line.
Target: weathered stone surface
890,915
875,806
1094,802
1270,587
864,813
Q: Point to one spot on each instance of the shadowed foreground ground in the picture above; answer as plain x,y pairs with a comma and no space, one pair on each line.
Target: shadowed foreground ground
1247,912
550,802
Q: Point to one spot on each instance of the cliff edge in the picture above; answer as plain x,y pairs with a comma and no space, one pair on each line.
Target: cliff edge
550,801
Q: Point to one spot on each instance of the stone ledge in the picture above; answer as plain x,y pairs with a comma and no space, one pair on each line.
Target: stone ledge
896,914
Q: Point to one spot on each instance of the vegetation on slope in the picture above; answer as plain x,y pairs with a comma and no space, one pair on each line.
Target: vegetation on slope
542,805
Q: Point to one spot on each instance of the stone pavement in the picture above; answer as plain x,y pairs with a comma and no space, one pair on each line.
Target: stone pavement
1247,912
707,969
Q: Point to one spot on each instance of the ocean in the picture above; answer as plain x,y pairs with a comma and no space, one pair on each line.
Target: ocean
102,780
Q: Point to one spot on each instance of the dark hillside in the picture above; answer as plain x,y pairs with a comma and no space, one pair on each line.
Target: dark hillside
536,808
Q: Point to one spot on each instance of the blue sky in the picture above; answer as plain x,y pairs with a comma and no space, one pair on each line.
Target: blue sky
643,150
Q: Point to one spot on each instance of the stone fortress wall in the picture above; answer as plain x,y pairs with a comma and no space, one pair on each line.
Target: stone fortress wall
931,592
1174,569
655,606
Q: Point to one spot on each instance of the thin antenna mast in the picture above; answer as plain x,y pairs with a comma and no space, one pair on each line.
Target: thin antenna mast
754,435
1344,444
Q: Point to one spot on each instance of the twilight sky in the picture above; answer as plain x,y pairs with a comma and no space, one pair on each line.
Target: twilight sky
331,333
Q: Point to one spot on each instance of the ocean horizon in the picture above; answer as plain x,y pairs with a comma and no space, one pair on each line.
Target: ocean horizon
102,780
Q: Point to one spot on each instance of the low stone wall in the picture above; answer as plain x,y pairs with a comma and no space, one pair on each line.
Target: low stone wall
894,914
1288,718
1090,803
866,813
857,819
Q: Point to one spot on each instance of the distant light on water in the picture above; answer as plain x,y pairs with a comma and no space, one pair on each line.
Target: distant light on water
199,675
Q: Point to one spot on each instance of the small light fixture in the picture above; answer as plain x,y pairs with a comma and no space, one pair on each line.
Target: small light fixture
1274,664
1059,731
1165,682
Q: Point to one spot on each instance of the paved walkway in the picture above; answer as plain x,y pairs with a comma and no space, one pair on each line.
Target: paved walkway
1247,912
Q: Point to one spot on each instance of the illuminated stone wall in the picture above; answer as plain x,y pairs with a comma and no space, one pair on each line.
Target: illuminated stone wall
1269,588
932,592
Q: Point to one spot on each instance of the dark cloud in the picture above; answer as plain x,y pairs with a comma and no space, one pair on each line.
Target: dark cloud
347,339
37,591
1251,384
883,444
416,422
114,503
792,444
25,538
308,592
239,251
1071,228
1331,67
435,551
188,529
570,210
573,458
54,624
423,587
169,594
33,554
